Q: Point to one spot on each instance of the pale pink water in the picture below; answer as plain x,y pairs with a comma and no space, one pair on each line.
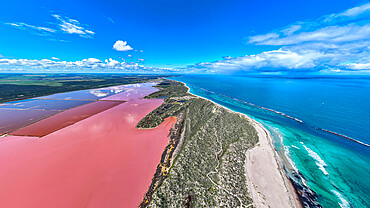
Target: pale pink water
13,119
64,119
102,161
133,91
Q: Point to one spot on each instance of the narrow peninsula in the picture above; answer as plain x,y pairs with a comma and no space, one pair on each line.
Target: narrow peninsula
215,157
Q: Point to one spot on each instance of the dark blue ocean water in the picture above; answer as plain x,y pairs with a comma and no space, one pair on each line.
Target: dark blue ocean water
334,167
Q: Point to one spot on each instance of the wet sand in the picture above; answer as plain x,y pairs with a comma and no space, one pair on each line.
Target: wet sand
101,161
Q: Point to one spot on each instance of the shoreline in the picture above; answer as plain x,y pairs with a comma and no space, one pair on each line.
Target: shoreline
275,188
283,193
293,118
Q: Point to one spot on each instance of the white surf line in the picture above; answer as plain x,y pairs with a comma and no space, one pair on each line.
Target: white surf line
343,202
318,160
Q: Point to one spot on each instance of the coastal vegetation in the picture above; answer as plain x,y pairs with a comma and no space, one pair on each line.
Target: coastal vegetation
203,164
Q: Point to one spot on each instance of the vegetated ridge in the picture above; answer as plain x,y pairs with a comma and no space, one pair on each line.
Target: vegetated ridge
203,164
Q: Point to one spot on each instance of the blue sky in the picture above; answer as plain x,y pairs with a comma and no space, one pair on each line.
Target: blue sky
185,36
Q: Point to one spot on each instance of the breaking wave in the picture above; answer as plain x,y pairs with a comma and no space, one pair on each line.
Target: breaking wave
319,162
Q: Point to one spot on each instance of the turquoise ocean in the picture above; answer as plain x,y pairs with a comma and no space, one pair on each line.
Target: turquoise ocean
320,127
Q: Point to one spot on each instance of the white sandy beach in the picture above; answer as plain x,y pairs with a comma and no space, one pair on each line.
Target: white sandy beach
267,181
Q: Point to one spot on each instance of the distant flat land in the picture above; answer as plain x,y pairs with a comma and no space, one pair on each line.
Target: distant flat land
22,86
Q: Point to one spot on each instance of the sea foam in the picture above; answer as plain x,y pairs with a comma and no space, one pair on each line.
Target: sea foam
319,162
343,202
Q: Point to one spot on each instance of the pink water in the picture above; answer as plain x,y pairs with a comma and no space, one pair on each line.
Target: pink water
64,119
101,161
133,91
13,119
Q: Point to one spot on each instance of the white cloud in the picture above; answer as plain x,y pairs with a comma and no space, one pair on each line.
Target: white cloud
356,11
34,29
129,55
64,25
111,62
55,58
335,42
350,25
89,64
122,46
291,29
357,66
72,26
90,32
274,59
140,59
335,34
263,38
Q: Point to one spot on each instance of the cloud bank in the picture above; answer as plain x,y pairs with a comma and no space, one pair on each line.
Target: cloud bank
334,42
85,65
